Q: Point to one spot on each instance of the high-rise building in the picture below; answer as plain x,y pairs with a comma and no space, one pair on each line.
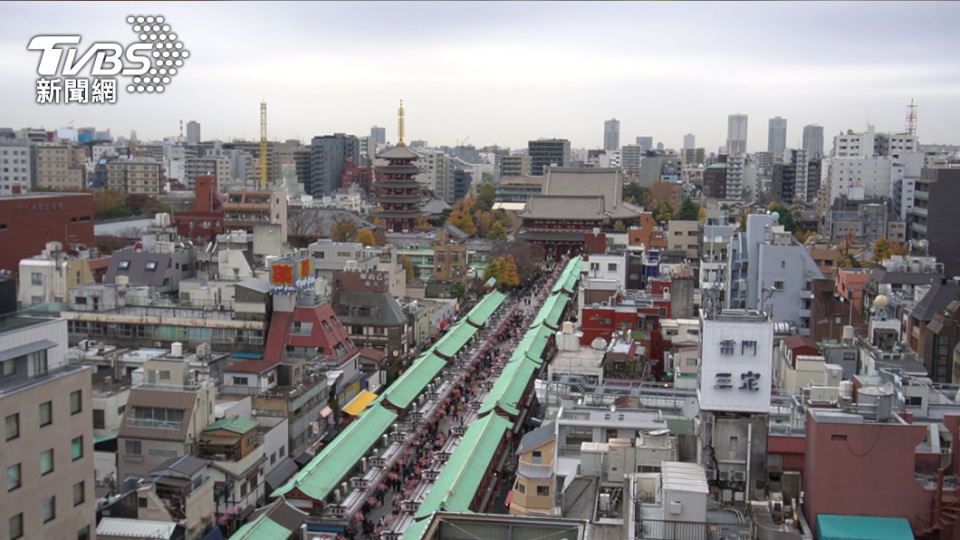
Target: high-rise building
48,454
328,157
694,155
193,131
611,134
17,165
630,157
777,136
789,182
813,140
646,142
211,165
737,134
546,152
139,175
379,134
689,141
935,217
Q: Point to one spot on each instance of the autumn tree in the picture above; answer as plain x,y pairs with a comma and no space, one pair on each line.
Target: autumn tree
344,229
634,193
702,215
366,238
379,221
664,212
896,248
483,220
407,263
421,223
527,256
494,269
497,232
463,221
660,192
619,226
510,276
882,250
804,236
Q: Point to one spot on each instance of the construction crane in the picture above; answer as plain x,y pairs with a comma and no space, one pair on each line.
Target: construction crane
263,145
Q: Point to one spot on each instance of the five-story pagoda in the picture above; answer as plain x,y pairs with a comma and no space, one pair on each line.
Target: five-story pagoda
399,196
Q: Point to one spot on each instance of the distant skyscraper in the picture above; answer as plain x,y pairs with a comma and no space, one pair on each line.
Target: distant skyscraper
813,140
611,134
689,141
193,131
328,157
646,142
777,136
737,134
659,147
379,134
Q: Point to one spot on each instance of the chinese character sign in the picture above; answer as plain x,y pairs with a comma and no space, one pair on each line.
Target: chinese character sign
150,63
281,274
305,268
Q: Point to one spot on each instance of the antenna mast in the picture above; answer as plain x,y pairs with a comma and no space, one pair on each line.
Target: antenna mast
263,145
911,118
400,125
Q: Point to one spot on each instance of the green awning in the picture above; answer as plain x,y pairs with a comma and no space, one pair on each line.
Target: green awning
262,528
485,308
836,527
510,388
551,312
460,479
411,384
454,340
325,471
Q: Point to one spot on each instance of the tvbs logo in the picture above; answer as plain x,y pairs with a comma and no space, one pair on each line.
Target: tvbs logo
150,63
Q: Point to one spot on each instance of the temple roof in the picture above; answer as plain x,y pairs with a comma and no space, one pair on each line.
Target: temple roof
566,207
607,182
413,213
398,152
397,184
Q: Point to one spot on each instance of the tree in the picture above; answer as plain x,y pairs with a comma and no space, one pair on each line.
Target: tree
896,248
689,211
483,220
660,192
882,250
497,232
664,212
458,291
420,223
407,263
634,193
486,178
344,229
619,226
743,222
510,276
445,215
303,226
493,270
786,217
379,221
526,255
463,221
366,238
488,196
702,215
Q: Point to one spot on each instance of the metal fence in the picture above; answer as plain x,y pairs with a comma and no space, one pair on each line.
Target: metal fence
649,529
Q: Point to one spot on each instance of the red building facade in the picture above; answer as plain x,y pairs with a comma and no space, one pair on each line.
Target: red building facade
29,220
204,221
361,177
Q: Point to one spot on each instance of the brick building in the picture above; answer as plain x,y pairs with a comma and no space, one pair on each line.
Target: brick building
361,177
29,220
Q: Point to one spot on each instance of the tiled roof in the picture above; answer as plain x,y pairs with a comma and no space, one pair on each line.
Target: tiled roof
410,385
537,437
391,314
797,341
185,465
607,183
251,366
937,299
566,207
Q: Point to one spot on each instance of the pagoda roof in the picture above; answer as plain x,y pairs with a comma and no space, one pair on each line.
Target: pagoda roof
399,169
413,213
398,152
397,184
415,197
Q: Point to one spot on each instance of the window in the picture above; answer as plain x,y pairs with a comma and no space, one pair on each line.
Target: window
84,533
76,448
839,438
521,488
13,426
164,375
46,462
240,381
691,362
49,509
537,457
124,265
46,414
142,502
134,448
612,267
99,419
9,368
282,451
16,527
78,495
152,265
543,491
243,489
39,361
783,264
273,458
778,285
13,477
36,278
75,405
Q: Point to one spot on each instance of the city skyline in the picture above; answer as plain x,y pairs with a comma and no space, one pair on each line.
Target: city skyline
330,89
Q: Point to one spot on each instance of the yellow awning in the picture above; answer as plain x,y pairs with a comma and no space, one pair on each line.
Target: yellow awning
359,403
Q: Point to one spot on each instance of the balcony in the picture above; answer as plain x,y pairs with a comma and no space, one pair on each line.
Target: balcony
806,295
922,229
150,423
922,195
920,211
805,313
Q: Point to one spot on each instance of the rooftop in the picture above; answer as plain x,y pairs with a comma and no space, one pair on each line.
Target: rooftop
42,195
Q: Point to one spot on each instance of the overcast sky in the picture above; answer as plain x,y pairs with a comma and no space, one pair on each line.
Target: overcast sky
505,73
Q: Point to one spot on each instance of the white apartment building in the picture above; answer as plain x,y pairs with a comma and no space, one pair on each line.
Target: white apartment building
869,143
436,172
218,166
857,177
15,167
